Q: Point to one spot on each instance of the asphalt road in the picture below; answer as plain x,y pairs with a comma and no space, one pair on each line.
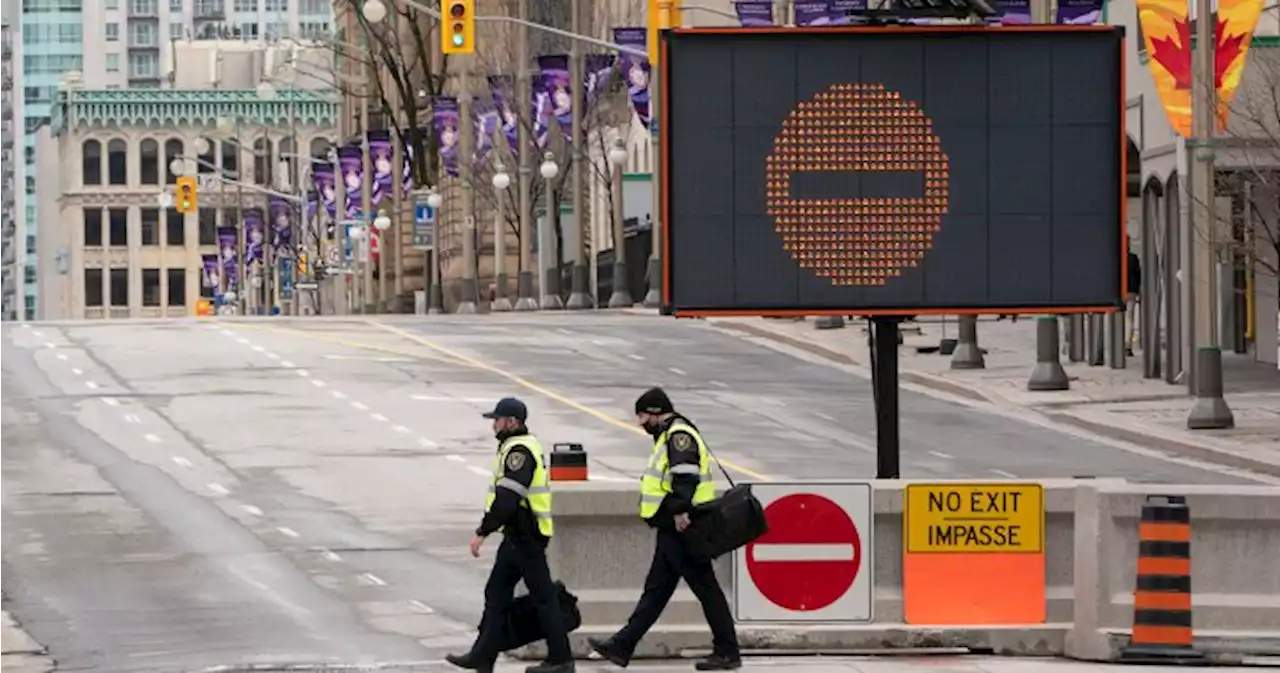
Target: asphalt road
190,494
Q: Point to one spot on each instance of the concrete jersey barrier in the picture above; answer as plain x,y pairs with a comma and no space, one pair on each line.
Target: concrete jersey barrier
602,551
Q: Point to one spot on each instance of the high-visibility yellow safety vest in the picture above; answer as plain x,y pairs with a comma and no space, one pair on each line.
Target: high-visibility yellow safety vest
537,496
655,483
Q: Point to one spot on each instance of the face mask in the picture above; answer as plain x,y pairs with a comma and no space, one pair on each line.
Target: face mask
653,427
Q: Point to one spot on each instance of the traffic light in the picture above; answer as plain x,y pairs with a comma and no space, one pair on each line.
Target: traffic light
186,188
458,34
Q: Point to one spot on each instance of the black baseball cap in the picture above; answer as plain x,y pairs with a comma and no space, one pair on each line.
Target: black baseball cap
654,401
509,407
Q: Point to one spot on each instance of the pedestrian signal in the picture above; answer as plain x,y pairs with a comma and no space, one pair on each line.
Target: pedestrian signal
186,188
458,35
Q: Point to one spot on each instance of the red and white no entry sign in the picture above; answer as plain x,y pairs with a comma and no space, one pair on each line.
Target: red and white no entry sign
814,563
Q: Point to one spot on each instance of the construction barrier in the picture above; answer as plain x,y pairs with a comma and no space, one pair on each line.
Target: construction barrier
1162,595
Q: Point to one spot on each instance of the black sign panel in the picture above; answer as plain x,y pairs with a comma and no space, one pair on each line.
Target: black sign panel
893,170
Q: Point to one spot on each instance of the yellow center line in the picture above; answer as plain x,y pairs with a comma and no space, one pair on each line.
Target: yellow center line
477,364
357,345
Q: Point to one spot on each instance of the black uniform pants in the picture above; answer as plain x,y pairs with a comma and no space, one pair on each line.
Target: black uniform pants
520,559
671,562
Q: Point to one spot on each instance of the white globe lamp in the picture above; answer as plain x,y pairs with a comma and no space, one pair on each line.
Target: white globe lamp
434,200
226,126
356,233
178,167
201,146
500,178
549,169
164,199
374,11
618,153
382,222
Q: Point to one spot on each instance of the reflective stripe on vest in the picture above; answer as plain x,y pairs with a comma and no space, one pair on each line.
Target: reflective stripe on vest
536,497
655,482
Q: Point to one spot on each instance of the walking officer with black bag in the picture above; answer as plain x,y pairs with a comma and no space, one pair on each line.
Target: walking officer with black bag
677,479
519,504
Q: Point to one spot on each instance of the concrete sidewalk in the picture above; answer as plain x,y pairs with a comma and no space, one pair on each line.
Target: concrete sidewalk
21,653
1117,403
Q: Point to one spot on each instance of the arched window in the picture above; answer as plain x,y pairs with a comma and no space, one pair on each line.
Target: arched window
91,158
117,162
287,162
262,162
230,159
172,150
209,158
149,162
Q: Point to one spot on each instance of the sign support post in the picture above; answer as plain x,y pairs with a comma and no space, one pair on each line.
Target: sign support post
884,389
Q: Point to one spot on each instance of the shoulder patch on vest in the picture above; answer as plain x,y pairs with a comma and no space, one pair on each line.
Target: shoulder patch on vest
683,441
515,460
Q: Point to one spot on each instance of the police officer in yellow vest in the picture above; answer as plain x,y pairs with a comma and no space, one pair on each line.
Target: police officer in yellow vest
519,504
678,478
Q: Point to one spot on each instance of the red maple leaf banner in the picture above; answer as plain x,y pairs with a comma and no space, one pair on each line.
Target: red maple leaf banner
1174,53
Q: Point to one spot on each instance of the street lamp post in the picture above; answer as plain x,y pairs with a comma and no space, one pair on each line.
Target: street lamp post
551,300
621,297
501,181
435,300
579,297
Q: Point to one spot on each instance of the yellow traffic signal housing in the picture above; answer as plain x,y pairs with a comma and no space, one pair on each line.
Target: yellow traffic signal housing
653,17
186,198
458,27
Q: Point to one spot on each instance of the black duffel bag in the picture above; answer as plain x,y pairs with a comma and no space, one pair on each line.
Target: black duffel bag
522,626
732,520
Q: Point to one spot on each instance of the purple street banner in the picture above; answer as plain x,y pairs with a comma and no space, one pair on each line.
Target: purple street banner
840,10
540,112
406,152
596,70
555,82
1079,12
326,186
634,69
381,155
254,236
280,212
813,12
445,118
754,13
228,255
1012,13
351,163
212,274
502,87
313,205
486,123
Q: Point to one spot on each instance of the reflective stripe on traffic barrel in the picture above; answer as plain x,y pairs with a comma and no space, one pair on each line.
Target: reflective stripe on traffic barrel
569,464
1162,596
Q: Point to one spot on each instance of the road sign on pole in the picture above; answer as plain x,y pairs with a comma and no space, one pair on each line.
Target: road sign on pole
424,220
815,563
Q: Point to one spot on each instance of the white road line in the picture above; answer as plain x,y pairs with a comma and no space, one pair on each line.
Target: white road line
77,371
421,607
945,456
597,342
676,370
330,555
92,384
132,418
286,363
719,384
303,373
400,428
479,470
318,383
287,531
219,489
374,579
564,331
801,552
242,341
61,356
441,398
456,458
378,417
359,405
252,509
338,394
426,443
273,356
258,348
154,439
111,401
1005,474
182,462
633,356
50,344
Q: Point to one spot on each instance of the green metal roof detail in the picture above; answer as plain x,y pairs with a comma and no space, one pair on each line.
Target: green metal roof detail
178,107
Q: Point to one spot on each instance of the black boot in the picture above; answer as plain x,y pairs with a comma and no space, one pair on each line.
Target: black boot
610,650
552,667
470,662
719,662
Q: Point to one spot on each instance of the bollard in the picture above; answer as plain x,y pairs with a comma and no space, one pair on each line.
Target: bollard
1095,347
568,463
1162,595
1117,341
1075,338
1048,373
967,354
828,322
1210,410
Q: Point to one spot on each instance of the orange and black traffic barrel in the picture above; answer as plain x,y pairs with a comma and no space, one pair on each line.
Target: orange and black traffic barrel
568,462
1162,596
